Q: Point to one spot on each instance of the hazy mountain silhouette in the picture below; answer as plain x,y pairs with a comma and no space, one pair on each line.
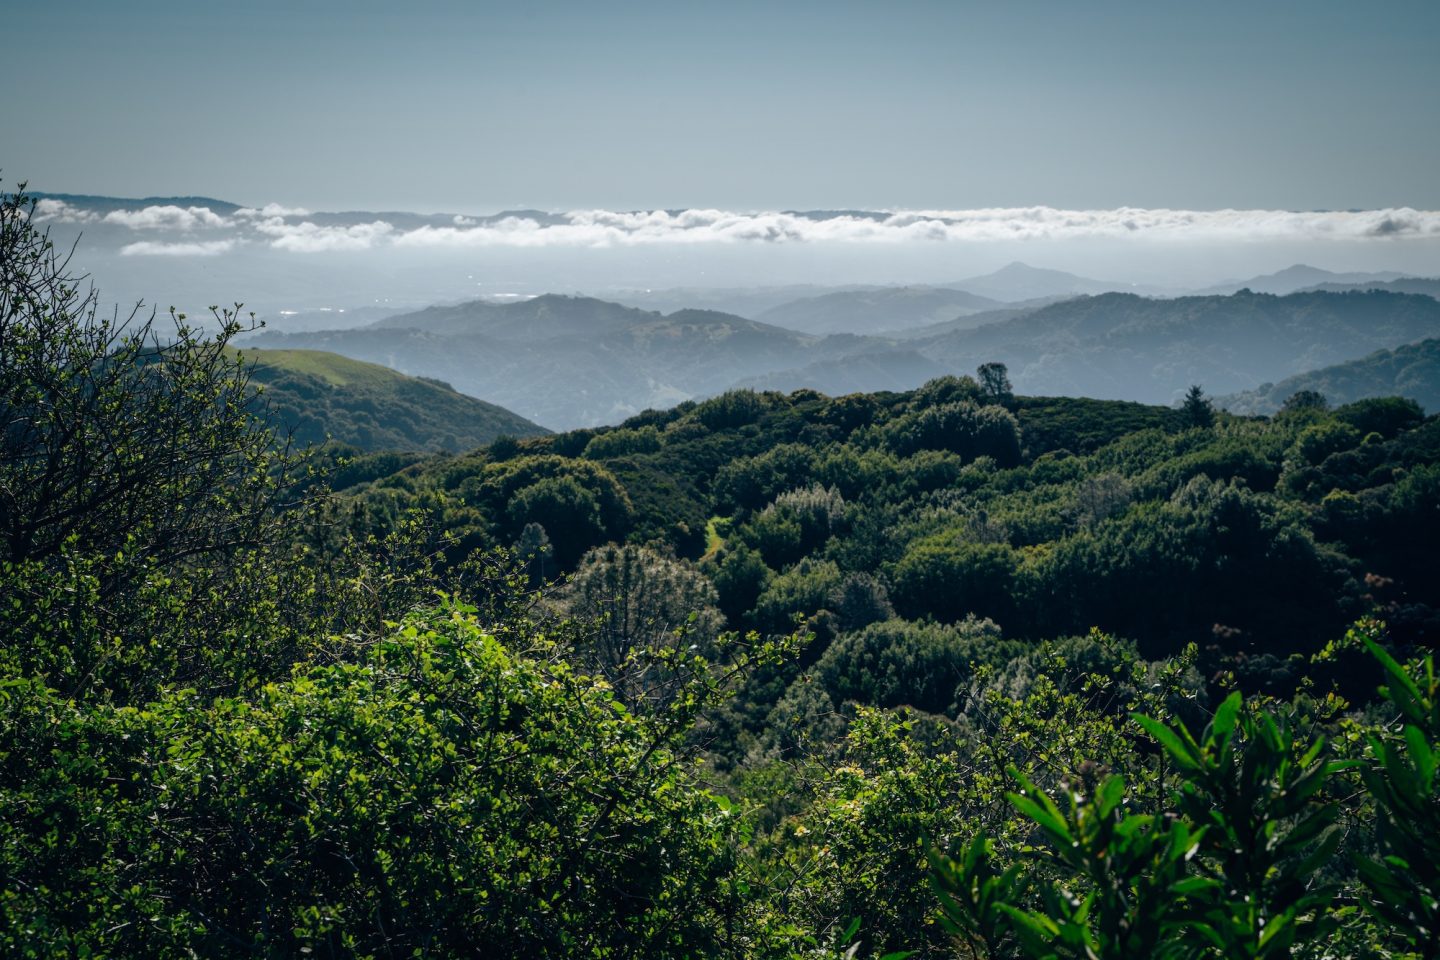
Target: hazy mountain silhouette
876,311
1428,286
1294,279
1020,281
1122,346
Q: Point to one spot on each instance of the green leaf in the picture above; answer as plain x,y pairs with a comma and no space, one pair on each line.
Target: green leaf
1173,744
1421,756
1223,725
1398,674
1051,823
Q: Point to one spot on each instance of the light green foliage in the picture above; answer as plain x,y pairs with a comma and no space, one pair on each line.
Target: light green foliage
1319,441
580,504
901,781
951,580
896,663
797,523
1257,794
802,591
1137,867
443,793
619,443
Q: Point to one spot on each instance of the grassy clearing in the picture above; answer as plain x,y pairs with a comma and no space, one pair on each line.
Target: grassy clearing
331,367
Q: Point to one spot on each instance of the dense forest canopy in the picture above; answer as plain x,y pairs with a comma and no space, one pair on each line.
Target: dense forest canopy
937,673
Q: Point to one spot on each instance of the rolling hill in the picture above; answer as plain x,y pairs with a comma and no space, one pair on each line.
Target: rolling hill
575,361
322,396
1411,371
1121,346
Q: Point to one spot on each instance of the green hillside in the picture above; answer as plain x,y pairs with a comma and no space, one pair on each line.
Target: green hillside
322,396
1411,371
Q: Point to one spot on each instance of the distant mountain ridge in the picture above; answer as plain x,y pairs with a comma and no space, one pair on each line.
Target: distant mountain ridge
1428,286
748,302
1019,281
1294,279
881,310
1121,346
578,361
106,204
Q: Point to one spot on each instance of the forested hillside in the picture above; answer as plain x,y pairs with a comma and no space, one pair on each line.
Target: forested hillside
1046,516
1411,371
943,673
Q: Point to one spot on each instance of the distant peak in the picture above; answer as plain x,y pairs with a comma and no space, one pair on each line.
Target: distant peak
1303,270
1017,268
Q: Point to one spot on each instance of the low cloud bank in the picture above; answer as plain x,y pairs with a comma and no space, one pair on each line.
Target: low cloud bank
182,219
307,237
292,229
151,248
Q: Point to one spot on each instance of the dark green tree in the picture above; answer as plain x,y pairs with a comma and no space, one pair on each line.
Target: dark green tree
1305,400
994,380
1196,409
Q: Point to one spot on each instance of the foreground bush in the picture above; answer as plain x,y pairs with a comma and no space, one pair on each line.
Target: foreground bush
441,796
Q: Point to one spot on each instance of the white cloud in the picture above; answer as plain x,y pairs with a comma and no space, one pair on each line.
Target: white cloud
150,248
286,228
167,217
271,210
602,228
308,237
59,211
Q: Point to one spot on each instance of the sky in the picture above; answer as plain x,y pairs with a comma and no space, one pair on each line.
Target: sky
478,107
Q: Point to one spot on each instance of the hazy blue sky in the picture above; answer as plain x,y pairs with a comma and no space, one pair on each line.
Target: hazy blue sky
482,106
